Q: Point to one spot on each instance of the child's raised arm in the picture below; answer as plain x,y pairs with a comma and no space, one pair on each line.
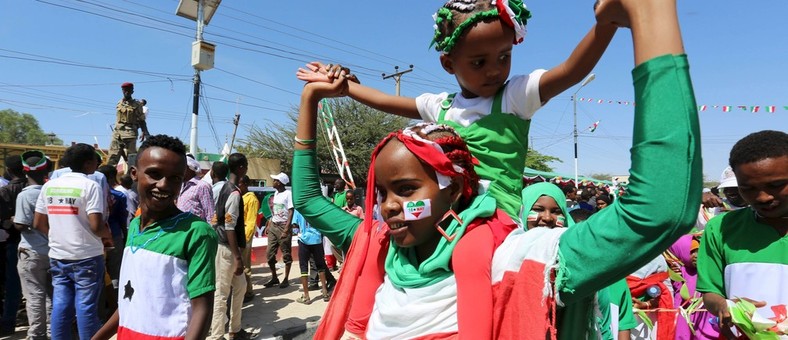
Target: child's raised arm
579,64
398,105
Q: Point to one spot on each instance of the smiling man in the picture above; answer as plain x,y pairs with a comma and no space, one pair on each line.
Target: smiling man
744,253
169,255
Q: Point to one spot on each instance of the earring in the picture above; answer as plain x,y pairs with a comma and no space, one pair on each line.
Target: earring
440,230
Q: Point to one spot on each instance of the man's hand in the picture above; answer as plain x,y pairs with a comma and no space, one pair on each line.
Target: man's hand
239,266
718,305
710,200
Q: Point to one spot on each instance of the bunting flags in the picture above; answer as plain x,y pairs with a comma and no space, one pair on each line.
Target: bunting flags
701,108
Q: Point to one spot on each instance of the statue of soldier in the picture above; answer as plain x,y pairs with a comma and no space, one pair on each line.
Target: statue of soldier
129,118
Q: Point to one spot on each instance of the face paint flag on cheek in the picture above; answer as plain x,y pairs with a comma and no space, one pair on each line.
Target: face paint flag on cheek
532,216
417,210
560,222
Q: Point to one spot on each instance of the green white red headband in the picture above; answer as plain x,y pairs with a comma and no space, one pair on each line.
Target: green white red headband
512,12
40,165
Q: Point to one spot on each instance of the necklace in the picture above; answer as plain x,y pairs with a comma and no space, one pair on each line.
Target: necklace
176,219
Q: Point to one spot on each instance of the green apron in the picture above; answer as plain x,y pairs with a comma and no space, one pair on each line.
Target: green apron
499,141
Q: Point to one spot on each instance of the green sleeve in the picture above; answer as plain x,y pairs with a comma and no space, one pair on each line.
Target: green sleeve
620,295
201,256
335,223
664,189
711,265
604,319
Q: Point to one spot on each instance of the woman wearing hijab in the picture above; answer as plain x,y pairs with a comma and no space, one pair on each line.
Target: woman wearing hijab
685,254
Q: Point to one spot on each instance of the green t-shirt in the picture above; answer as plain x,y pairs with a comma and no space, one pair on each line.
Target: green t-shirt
740,257
164,267
183,242
340,199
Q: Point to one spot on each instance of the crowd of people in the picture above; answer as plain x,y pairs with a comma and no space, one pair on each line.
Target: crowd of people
449,243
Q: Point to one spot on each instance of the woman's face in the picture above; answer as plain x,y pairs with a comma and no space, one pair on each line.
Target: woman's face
400,178
546,213
600,204
694,258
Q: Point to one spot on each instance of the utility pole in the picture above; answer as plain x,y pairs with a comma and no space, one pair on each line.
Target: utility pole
397,75
196,94
202,53
235,122
574,111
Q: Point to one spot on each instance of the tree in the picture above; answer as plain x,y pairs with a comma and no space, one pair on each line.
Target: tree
23,128
602,176
360,128
538,161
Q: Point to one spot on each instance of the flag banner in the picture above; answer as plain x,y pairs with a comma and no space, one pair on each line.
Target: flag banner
593,127
701,108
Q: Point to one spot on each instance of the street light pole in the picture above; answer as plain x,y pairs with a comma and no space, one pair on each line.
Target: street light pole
574,102
193,149
200,11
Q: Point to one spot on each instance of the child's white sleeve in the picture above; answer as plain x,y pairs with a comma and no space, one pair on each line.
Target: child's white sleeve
429,106
522,95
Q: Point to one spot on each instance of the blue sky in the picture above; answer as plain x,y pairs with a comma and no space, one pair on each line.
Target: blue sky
737,52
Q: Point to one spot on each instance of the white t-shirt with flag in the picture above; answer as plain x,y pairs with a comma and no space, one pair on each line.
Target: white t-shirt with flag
164,267
67,201
282,202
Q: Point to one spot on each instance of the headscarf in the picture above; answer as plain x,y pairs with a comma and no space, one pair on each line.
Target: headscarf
682,250
531,194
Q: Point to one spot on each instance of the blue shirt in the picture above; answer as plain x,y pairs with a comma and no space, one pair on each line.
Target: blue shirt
309,235
118,213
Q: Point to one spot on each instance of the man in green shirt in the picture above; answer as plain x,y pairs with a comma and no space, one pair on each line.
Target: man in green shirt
744,253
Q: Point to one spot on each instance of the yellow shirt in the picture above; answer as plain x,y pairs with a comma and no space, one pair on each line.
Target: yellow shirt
251,206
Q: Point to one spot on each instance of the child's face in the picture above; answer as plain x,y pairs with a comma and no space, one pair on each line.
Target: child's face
350,198
401,177
764,185
481,60
159,173
600,204
546,213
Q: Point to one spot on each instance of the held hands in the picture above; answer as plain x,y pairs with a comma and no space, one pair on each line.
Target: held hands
317,72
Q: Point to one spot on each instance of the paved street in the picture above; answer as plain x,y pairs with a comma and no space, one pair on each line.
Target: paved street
273,312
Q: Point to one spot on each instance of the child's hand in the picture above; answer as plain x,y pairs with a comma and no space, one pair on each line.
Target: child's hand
317,72
615,12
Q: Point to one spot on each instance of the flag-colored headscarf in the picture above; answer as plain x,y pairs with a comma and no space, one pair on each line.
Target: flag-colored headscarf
531,194
428,152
